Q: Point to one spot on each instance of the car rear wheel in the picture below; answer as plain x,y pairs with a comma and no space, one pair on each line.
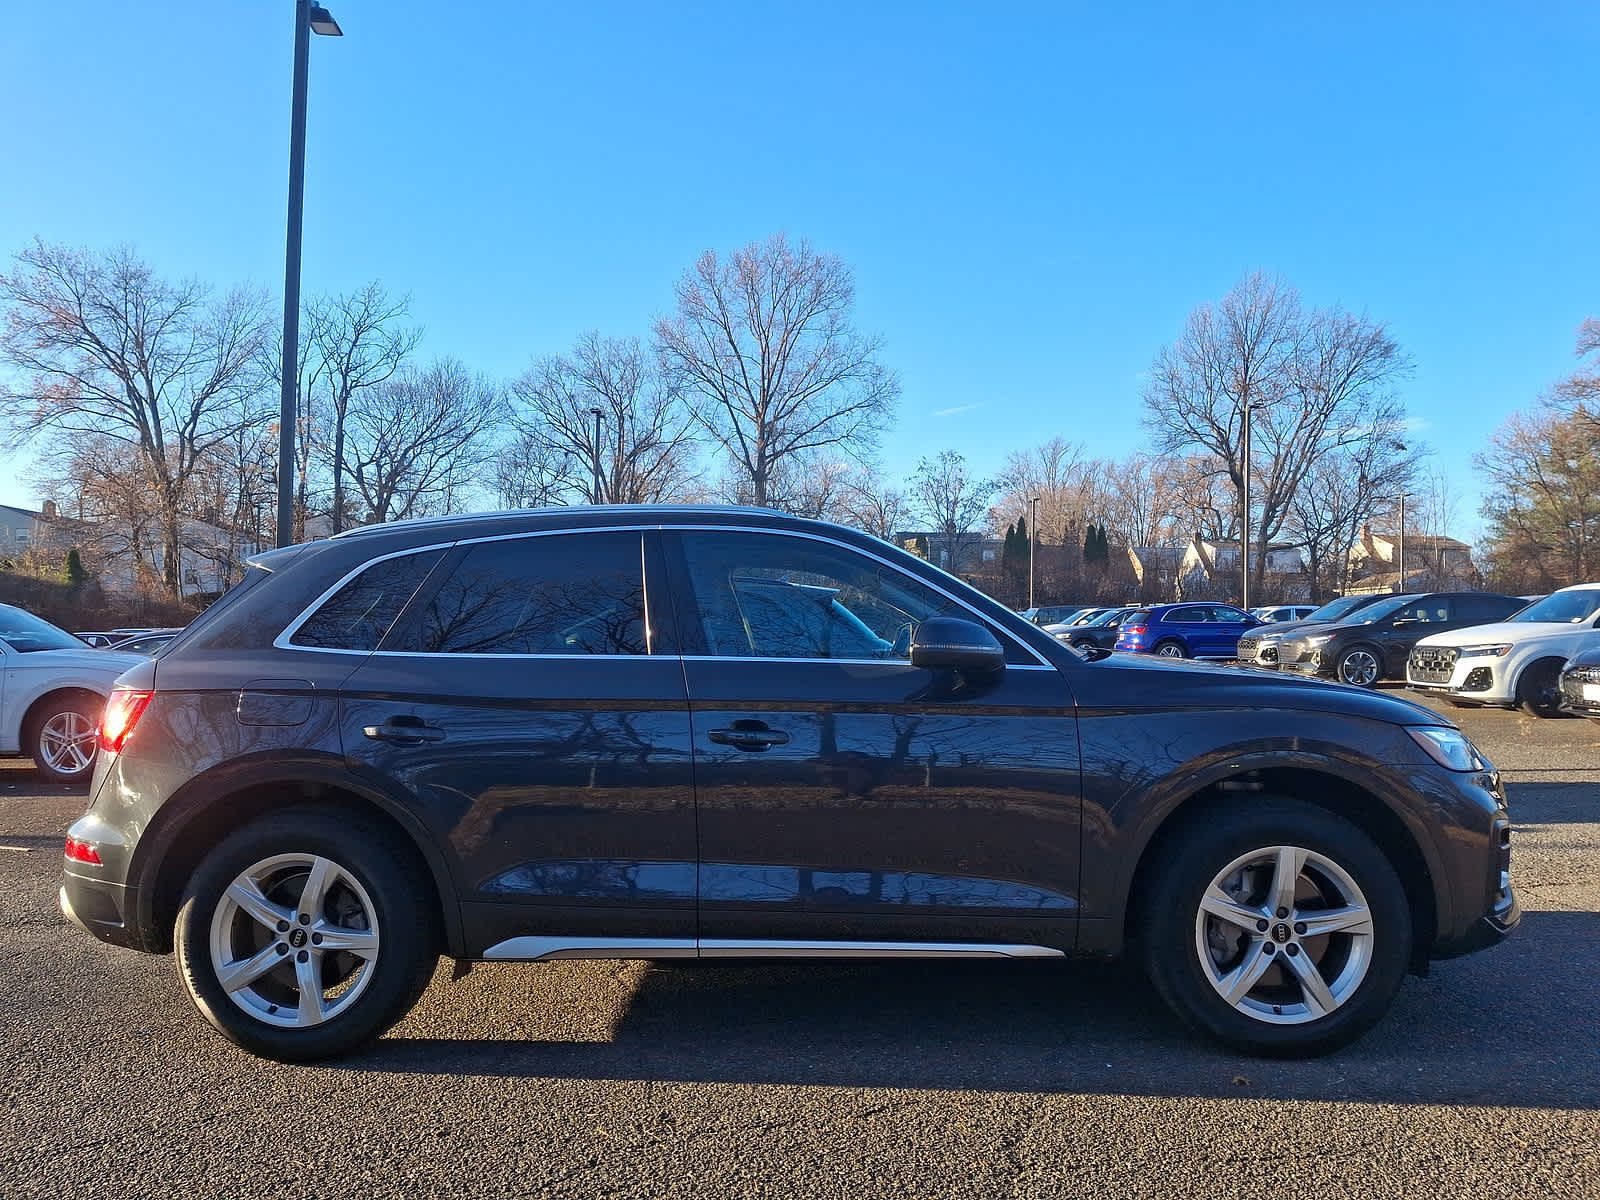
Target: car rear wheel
303,935
1359,667
1171,649
1539,689
65,740
1280,929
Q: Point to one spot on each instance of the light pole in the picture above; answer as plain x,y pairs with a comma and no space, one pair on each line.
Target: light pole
308,19
1244,536
594,496
1401,586
1033,540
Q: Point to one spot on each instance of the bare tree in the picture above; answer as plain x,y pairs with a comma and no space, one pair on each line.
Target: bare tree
1344,490
420,439
643,449
953,501
873,505
103,348
1542,502
1145,503
763,346
1581,389
1069,485
359,340
1313,383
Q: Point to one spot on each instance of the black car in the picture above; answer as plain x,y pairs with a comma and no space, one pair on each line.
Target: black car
1259,646
1580,684
1374,642
1100,630
711,733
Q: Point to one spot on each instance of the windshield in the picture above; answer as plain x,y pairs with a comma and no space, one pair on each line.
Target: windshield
25,633
1334,609
1107,617
1569,608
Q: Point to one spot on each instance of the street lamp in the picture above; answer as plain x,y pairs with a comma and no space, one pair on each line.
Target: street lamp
1244,536
1033,540
308,19
594,496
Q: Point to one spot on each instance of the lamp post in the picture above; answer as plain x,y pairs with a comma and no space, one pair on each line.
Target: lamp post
1033,540
1244,535
308,19
594,496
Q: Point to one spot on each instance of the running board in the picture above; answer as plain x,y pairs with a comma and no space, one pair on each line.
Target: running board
545,949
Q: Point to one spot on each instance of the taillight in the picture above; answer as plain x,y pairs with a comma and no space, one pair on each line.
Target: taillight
123,711
82,852
1134,630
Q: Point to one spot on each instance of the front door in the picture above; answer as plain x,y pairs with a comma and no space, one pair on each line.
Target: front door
843,794
533,713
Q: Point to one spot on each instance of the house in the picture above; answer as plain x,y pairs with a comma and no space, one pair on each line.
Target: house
1220,560
976,550
19,529
1431,561
1156,568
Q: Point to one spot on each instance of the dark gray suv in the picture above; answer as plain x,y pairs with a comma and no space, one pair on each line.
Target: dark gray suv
695,733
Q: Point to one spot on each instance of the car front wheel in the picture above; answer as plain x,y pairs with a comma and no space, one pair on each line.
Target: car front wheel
1358,667
1280,929
304,935
1539,689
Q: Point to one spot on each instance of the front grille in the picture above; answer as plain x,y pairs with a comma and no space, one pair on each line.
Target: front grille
1247,647
1432,664
1572,684
1479,679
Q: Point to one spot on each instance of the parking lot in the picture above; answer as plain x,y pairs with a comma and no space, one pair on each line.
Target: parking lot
583,1079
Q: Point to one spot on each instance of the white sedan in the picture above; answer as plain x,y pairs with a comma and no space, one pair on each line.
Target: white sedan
52,688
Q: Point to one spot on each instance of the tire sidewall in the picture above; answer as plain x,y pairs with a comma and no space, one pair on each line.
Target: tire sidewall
1372,652
1207,847
407,928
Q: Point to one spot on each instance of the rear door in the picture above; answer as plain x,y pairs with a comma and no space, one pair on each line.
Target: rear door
530,707
1397,633
1192,623
845,795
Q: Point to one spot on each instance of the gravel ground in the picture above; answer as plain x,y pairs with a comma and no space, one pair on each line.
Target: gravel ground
849,1080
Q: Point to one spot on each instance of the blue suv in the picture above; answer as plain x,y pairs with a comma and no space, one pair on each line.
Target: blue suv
1186,630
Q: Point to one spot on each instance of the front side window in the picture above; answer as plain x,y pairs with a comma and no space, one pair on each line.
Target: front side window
577,593
757,595
358,615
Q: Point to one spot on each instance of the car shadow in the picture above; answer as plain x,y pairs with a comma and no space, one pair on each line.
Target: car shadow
1533,802
1470,1033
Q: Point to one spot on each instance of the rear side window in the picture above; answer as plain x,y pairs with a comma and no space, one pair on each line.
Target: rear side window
358,615
1486,608
578,593
1188,615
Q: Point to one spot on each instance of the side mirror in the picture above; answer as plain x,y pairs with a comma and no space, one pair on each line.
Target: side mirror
953,644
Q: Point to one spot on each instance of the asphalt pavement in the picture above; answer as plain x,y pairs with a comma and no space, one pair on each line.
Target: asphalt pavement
849,1080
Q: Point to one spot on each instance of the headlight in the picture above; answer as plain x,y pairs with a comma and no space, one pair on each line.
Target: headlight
1447,747
1499,650
1321,639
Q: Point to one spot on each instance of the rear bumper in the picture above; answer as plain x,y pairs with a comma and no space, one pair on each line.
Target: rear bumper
98,907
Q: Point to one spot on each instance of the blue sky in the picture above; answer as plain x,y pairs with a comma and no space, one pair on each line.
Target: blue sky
1032,198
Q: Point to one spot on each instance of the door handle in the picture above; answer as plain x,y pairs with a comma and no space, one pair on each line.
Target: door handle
404,731
754,736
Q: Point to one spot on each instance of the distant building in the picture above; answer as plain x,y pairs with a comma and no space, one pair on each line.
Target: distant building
976,551
19,529
1156,568
1431,561
1220,560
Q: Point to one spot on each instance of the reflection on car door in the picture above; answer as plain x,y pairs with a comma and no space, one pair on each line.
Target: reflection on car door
535,715
844,794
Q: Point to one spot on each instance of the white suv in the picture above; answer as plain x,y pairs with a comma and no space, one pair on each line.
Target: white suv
52,688
1516,662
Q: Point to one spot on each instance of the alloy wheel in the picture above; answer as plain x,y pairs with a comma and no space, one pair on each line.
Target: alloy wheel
294,940
1284,935
1359,667
1170,650
67,742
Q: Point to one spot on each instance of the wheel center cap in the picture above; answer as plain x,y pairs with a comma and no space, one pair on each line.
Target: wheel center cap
1280,933
298,938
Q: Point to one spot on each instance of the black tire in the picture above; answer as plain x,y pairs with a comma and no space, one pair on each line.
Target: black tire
1163,648
1538,688
1371,652
83,706
1192,858
406,914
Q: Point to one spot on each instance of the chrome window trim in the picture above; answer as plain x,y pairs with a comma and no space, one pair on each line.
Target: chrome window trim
282,641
